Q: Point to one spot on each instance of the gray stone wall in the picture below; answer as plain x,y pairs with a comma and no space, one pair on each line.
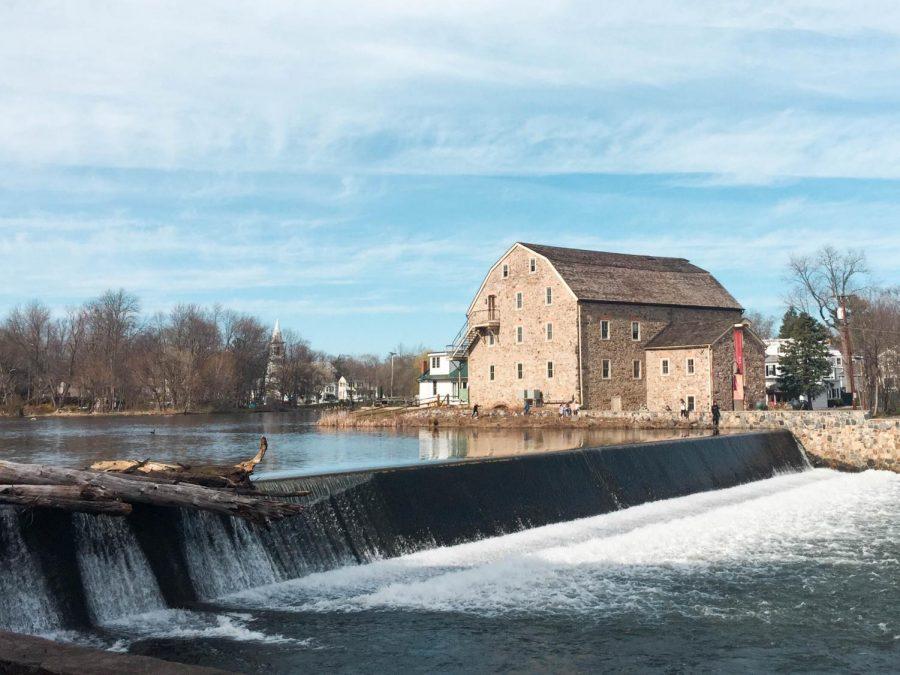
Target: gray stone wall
621,350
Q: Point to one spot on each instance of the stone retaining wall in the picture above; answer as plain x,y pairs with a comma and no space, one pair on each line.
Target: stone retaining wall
843,439
846,439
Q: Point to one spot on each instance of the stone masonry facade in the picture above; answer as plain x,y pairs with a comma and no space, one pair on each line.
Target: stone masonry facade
535,350
667,389
622,351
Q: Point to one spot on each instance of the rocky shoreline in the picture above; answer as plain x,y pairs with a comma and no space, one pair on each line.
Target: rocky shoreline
847,440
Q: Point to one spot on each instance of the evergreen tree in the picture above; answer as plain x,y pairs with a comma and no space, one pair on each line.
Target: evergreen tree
788,322
804,360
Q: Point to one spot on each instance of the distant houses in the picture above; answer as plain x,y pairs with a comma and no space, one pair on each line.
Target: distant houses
609,330
834,386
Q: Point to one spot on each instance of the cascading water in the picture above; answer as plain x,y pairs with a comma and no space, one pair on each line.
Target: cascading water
223,557
115,575
160,557
26,604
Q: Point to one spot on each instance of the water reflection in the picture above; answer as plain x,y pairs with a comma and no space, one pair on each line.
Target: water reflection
296,444
435,444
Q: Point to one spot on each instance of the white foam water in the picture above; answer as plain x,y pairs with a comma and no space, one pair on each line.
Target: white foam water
633,560
26,605
115,574
224,559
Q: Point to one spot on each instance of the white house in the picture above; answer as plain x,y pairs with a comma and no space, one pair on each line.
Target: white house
443,380
834,382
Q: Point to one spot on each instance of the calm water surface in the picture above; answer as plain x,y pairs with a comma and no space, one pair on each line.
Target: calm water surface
296,444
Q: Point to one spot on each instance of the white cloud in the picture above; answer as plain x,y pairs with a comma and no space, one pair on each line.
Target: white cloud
427,87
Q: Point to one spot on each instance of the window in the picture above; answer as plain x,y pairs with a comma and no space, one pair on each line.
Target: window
604,330
605,369
664,366
435,362
490,339
549,369
691,404
520,334
770,370
532,265
636,369
549,331
519,301
689,366
505,271
520,371
635,330
491,373
549,296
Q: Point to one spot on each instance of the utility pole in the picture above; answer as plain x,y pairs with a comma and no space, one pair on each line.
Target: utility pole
848,348
393,354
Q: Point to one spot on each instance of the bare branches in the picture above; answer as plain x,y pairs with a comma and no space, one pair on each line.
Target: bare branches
820,281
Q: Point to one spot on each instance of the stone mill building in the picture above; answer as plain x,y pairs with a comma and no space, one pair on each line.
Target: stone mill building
609,330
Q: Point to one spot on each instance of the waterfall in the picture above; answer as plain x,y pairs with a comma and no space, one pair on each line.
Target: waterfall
26,605
115,574
224,556
102,569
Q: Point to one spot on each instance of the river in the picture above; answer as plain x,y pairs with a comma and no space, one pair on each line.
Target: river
796,572
296,443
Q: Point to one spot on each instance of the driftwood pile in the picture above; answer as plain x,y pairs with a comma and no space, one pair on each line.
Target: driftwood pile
111,487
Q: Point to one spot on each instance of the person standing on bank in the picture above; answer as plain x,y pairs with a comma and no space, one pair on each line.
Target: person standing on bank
716,415
684,410
475,411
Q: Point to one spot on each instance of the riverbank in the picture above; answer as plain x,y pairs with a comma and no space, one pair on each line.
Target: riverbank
28,654
44,411
847,440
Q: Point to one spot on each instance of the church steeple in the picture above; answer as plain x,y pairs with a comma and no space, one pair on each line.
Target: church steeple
276,334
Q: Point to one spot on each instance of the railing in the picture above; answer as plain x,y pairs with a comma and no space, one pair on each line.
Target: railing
483,317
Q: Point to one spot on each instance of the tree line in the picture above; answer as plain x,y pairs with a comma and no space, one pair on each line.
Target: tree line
104,356
833,299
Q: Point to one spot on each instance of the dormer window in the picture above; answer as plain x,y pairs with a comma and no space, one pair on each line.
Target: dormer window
435,362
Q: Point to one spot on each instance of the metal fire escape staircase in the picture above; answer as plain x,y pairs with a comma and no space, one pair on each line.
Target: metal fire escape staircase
476,322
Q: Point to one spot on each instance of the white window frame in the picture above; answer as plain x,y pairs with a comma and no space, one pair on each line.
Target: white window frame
520,300
773,368
690,365
664,368
548,331
520,334
520,371
549,370
548,295
640,369
606,365
435,362
491,372
532,265
505,271
638,325
605,323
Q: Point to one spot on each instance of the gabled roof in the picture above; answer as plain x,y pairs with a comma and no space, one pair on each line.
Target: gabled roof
695,334
642,279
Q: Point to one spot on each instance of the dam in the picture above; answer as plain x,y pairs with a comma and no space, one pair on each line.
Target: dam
457,548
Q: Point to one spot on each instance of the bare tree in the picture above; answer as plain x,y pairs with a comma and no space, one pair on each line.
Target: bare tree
823,284
762,324
876,338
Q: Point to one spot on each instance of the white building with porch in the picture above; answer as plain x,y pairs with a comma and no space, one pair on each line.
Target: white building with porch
444,381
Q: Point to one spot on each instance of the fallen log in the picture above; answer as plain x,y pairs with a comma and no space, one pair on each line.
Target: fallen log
232,476
146,491
80,498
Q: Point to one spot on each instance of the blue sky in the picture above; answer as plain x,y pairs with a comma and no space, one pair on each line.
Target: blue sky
354,169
